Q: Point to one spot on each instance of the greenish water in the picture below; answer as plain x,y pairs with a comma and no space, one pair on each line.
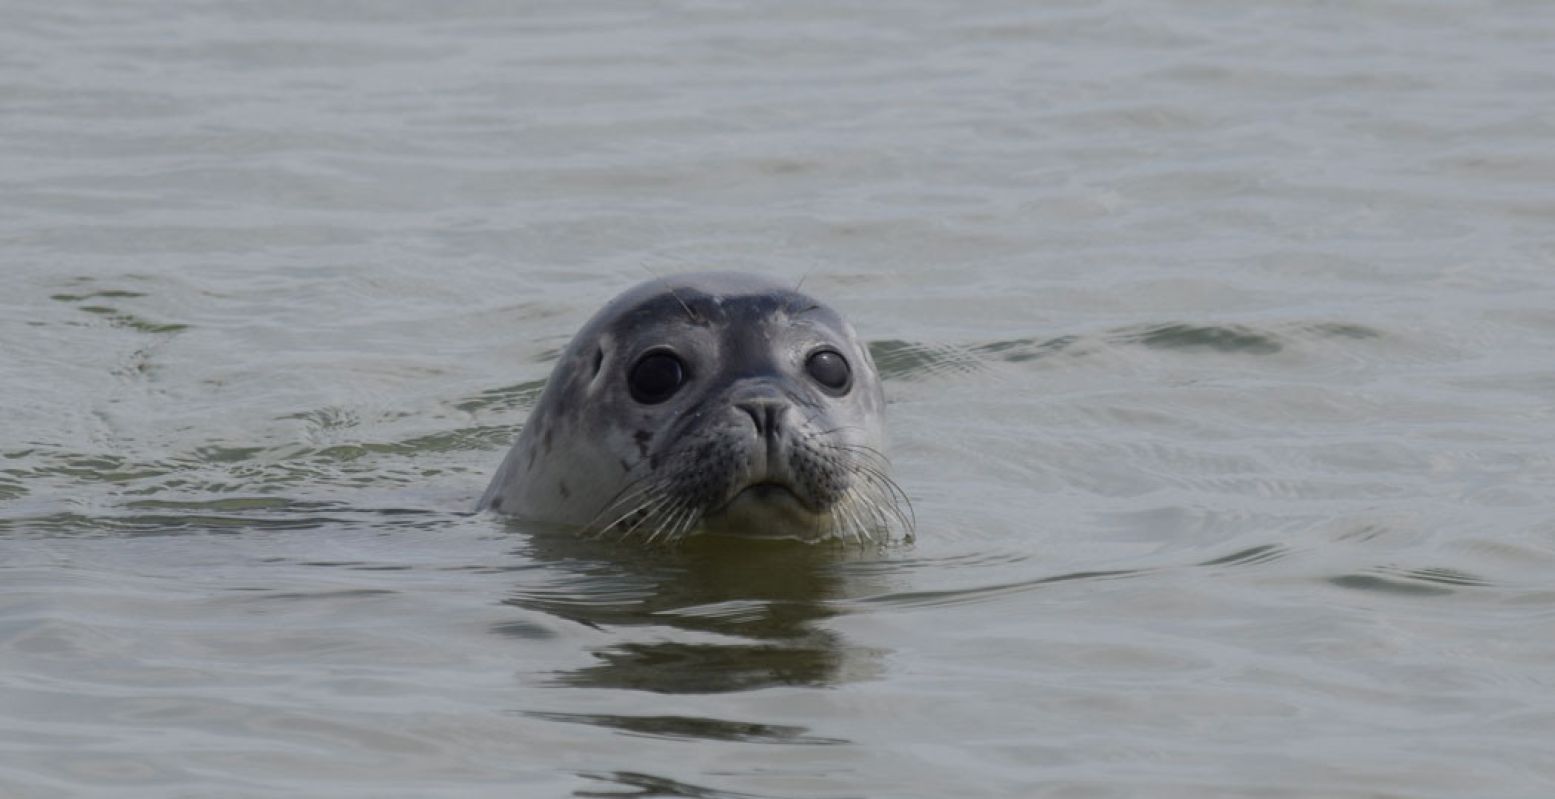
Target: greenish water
1217,339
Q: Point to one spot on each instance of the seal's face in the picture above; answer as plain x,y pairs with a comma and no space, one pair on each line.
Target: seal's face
718,403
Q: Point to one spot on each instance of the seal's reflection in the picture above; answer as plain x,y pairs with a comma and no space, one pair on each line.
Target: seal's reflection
766,596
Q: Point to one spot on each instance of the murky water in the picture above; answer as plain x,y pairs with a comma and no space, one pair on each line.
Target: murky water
1218,338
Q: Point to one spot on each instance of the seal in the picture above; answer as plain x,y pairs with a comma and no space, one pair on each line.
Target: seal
712,402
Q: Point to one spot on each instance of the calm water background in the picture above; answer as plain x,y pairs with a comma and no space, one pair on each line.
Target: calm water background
1220,339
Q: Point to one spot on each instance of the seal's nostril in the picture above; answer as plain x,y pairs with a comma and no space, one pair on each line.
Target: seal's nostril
764,415
754,412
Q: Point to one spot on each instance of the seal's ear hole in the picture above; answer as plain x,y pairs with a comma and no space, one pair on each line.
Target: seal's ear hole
831,370
599,360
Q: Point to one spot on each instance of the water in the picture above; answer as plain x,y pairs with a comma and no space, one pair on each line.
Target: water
1218,338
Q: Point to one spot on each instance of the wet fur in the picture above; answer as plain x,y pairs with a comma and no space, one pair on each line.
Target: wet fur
593,458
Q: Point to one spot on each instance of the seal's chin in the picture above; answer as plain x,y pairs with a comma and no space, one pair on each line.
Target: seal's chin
765,510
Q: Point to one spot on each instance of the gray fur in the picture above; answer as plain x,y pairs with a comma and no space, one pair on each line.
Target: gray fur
594,458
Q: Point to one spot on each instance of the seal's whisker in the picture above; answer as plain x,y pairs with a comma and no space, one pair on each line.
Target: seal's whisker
667,510
856,524
877,510
660,523
885,515
862,459
654,507
671,289
889,487
882,493
871,508
883,479
861,449
667,527
832,523
841,526
600,531
636,503
626,531
888,511
629,493
868,525
818,433
863,532
800,284
650,523
693,515
883,501
890,493
670,520
643,502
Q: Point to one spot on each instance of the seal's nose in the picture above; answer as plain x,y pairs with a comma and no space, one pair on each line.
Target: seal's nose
765,412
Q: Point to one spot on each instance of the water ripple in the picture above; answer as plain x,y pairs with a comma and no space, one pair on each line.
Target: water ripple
905,360
694,728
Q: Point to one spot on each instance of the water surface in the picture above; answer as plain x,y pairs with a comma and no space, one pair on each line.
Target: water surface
1217,337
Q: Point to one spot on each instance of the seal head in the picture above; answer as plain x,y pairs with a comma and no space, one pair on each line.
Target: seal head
708,402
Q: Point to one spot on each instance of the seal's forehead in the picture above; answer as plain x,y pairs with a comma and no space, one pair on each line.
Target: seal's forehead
710,299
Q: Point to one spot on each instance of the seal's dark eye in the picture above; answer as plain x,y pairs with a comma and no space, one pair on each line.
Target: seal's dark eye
656,377
830,369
